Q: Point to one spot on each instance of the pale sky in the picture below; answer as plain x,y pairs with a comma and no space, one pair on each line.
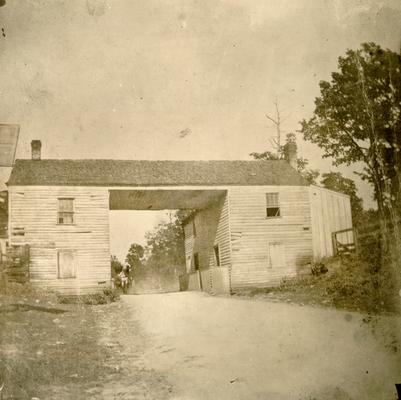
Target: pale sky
174,79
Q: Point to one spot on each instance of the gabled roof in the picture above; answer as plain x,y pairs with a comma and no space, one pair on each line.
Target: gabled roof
152,173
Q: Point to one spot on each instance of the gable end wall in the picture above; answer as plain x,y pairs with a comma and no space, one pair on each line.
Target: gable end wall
252,231
33,211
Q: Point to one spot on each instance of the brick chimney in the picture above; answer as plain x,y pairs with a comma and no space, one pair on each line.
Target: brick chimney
36,146
291,153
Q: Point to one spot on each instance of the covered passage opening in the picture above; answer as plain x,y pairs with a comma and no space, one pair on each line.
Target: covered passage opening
203,205
164,199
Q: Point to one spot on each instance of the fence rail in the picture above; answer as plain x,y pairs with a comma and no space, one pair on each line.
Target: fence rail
361,238
15,264
344,241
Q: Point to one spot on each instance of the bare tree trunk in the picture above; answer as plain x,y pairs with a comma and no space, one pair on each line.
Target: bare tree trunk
388,211
277,121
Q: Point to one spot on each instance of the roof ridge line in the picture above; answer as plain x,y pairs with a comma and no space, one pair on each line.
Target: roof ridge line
143,160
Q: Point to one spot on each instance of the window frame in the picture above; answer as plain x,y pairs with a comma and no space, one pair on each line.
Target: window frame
72,213
275,206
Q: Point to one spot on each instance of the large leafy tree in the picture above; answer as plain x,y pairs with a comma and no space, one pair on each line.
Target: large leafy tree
165,249
357,118
135,258
336,181
116,265
163,257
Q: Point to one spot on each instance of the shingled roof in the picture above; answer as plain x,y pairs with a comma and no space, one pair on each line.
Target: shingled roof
152,173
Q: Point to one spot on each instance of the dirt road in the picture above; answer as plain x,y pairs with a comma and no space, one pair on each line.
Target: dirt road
227,348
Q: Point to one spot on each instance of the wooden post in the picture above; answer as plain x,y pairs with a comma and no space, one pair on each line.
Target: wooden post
355,233
334,242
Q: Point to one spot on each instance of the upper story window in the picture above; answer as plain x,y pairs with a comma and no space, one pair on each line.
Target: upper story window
65,213
272,205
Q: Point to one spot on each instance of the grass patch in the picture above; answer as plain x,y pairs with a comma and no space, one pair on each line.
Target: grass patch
71,350
44,344
105,297
41,349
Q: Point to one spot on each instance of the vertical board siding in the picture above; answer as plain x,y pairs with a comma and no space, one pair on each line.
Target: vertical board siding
330,212
34,210
188,246
193,283
212,228
252,233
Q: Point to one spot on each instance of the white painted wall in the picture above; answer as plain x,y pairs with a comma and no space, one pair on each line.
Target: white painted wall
253,234
33,212
330,211
212,228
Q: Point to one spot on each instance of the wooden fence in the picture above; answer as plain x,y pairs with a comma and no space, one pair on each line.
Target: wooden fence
344,241
14,265
364,237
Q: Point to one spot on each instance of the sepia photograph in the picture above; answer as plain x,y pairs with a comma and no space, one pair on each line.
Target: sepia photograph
200,199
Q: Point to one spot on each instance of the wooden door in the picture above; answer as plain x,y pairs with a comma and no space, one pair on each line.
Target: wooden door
197,268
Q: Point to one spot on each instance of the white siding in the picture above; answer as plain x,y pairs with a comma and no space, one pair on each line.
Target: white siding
212,228
276,255
330,212
252,233
33,221
238,224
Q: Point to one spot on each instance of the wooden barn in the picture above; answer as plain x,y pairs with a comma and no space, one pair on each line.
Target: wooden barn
255,221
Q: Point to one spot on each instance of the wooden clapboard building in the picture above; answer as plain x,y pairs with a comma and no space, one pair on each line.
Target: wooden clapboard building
259,233
255,221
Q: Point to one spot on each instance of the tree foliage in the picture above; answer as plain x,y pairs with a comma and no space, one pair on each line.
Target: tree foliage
165,248
266,155
135,257
163,256
357,118
116,265
311,175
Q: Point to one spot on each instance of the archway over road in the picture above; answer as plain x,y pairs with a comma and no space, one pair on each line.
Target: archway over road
170,269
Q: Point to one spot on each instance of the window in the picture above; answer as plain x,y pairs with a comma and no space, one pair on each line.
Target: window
217,255
276,255
66,262
272,205
65,213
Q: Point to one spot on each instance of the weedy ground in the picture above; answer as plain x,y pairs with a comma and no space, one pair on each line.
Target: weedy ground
53,350
348,283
